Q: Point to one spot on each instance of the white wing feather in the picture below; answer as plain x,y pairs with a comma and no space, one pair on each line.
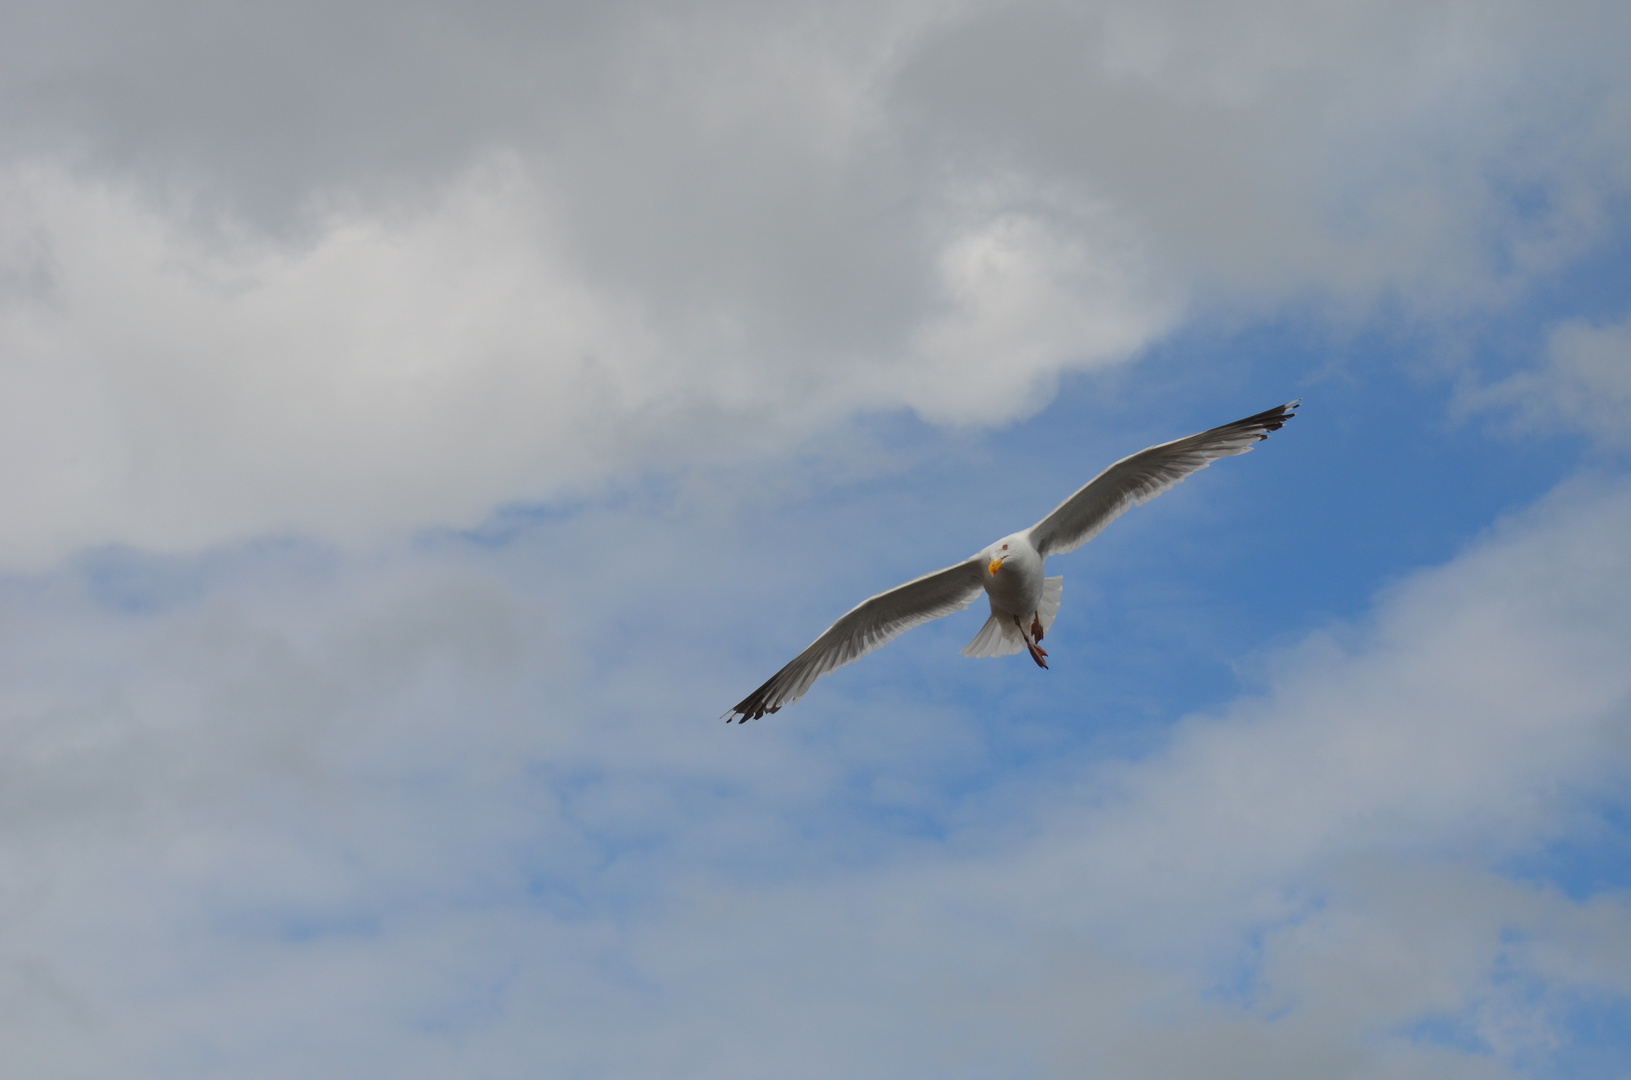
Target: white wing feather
866,626
1143,476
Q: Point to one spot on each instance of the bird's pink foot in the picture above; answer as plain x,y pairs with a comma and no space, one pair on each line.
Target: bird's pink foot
1036,629
1036,650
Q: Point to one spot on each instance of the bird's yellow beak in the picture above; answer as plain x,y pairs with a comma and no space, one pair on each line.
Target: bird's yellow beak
996,564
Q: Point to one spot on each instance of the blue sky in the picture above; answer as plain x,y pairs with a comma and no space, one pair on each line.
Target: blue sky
419,424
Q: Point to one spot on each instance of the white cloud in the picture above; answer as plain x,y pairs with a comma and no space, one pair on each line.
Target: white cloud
403,819
1584,384
420,366
480,254
355,269
1026,301
1305,885
168,393
1447,721
1438,154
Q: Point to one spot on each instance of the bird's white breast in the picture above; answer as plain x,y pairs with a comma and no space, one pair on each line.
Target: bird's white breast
1016,587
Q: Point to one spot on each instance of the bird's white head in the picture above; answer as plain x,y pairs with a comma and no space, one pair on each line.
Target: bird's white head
999,555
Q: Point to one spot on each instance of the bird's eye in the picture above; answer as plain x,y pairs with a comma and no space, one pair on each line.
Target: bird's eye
1005,547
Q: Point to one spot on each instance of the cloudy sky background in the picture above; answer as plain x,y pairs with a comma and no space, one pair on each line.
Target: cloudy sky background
419,422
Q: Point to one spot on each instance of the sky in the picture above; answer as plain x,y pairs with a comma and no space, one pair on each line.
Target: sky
420,421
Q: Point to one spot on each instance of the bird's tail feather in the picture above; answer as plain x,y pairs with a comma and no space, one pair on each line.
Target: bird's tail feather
1046,608
998,637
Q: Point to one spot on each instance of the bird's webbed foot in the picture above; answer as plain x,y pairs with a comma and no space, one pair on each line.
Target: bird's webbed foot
1036,651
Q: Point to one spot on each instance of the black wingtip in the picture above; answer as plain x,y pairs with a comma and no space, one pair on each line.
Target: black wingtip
747,710
1271,419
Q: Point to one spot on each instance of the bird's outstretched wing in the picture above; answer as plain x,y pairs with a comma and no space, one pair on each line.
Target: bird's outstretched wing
1143,476
867,625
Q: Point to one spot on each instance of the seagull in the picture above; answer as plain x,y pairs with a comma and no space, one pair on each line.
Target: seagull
1009,572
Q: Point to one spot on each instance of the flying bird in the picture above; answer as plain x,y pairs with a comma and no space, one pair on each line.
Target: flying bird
1009,572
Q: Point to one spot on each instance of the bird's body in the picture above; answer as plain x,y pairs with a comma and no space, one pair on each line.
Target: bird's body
1010,572
1015,587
